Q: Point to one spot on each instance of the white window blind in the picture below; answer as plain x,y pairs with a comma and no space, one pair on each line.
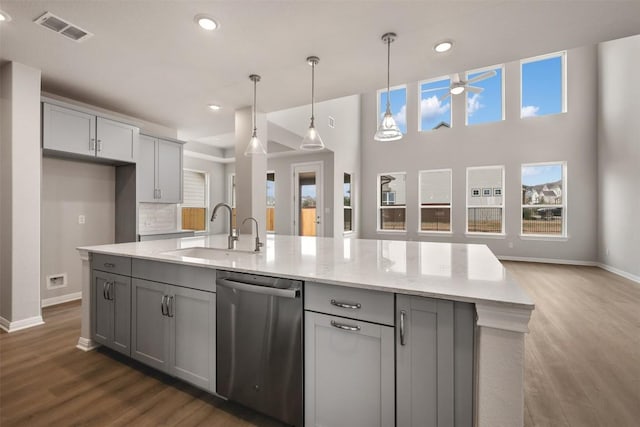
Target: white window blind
194,186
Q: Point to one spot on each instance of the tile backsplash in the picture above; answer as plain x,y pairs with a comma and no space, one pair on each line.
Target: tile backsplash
157,217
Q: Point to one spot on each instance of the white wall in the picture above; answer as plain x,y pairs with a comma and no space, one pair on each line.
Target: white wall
570,136
619,155
20,209
71,188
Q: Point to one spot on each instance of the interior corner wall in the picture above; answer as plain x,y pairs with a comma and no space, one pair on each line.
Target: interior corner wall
21,177
569,137
619,155
217,187
71,188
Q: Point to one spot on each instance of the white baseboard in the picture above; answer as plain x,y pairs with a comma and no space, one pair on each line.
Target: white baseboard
20,324
47,302
86,344
548,260
619,272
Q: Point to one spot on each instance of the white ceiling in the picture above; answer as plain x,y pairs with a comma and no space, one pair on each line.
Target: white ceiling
148,59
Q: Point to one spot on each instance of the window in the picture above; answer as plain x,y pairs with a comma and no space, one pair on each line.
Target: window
544,199
485,200
543,85
435,200
486,106
435,112
271,202
232,198
348,207
194,204
398,106
392,202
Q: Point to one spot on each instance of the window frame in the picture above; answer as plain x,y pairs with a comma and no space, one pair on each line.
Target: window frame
379,112
468,233
563,60
450,206
502,90
565,234
206,201
350,207
274,196
380,206
420,83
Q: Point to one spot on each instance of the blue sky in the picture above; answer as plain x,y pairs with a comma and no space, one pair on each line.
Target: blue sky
542,87
398,107
486,106
541,174
433,111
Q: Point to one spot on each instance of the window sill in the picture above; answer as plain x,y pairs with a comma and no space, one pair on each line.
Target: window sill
543,237
391,231
435,233
486,235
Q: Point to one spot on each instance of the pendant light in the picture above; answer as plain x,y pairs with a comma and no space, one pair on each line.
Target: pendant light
312,140
255,146
388,130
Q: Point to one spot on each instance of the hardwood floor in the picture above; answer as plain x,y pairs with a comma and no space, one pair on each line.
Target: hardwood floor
582,365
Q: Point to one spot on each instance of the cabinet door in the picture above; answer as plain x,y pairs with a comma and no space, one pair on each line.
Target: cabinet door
101,309
149,326
116,140
425,373
120,295
193,326
348,373
68,130
169,171
146,169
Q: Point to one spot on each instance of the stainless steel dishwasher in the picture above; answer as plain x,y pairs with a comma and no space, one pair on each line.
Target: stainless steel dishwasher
259,344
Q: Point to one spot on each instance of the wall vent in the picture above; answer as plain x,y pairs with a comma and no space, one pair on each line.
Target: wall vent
57,281
60,26
332,122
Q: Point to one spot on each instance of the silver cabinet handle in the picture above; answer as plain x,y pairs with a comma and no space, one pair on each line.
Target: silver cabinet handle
99,145
92,144
345,327
163,305
104,290
159,193
264,290
170,307
109,265
109,287
403,314
355,306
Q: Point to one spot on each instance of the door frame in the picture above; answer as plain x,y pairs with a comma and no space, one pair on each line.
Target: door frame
296,169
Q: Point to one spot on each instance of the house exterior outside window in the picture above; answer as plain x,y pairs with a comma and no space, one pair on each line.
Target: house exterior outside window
544,199
392,201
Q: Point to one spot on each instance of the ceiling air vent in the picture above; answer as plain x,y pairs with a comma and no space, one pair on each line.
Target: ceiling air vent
60,26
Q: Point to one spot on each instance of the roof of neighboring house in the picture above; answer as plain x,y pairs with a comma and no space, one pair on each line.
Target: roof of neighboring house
549,193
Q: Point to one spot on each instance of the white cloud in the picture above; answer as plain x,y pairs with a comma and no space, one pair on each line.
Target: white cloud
529,111
473,104
432,107
401,117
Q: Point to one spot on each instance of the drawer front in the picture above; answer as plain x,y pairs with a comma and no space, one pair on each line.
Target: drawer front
203,279
111,264
354,303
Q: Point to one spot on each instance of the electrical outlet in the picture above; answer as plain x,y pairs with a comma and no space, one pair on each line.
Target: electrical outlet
81,219
607,251
57,281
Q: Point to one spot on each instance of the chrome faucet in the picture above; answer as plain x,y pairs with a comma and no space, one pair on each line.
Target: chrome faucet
232,238
259,244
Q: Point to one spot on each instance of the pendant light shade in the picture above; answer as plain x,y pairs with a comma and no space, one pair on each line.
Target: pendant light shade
254,146
312,140
388,129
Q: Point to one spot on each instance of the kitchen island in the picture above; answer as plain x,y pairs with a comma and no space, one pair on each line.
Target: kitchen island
453,272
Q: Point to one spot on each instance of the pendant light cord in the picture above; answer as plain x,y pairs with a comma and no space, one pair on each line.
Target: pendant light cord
388,72
254,105
313,79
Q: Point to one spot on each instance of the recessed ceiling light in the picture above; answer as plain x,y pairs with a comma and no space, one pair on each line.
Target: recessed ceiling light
214,107
443,46
4,16
206,22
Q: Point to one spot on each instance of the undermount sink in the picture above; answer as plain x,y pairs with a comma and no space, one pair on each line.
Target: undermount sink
208,253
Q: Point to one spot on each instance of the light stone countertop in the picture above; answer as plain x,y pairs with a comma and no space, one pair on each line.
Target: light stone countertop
454,271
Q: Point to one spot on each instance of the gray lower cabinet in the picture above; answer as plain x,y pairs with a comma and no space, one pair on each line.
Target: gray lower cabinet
434,362
173,330
349,372
111,310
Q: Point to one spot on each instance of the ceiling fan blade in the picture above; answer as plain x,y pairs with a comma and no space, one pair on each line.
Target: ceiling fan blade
435,88
483,76
455,78
443,97
475,89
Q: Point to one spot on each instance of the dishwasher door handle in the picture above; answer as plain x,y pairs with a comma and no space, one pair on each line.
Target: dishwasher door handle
257,289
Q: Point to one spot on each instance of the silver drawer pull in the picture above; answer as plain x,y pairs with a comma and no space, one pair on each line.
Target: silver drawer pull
109,265
355,306
345,327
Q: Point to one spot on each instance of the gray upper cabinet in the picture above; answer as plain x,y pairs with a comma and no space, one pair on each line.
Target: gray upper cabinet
111,302
159,170
434,362
80,133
